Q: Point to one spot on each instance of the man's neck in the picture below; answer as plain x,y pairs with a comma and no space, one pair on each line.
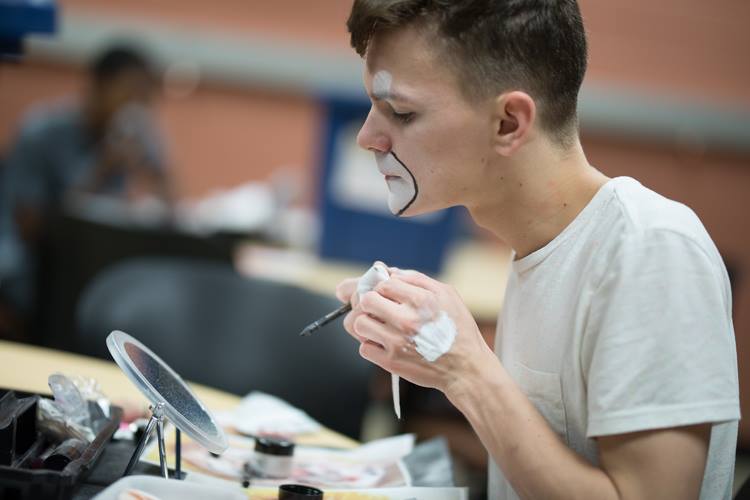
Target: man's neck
532,201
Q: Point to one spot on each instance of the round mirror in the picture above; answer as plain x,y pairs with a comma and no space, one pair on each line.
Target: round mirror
160,384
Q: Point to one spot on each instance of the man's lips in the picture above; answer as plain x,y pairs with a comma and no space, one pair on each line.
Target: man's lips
387,170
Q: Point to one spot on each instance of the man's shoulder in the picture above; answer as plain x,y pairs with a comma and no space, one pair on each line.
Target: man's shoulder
49,119
641,215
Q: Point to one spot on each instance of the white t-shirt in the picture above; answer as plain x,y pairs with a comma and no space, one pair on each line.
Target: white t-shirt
623,323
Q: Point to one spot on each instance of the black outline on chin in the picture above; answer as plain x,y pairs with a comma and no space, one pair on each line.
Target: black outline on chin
413,180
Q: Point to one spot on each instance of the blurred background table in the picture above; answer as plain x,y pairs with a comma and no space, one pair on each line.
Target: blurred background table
478,270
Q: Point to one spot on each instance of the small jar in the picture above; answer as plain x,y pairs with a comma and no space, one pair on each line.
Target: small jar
299,492
273,457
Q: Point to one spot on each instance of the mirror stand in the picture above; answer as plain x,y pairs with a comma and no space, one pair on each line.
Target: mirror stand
157,420
171,399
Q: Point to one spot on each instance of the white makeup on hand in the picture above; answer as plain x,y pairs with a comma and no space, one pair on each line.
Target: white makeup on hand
436,337
402,186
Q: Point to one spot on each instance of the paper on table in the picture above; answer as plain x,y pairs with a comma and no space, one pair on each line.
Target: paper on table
410,493
382,450
153,487
261,413
375,464
387,493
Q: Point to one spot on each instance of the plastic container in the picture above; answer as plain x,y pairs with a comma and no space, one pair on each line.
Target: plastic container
171,489
17,480
273,457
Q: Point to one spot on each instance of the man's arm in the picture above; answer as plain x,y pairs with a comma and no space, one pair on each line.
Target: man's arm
661,464
666,463
25,178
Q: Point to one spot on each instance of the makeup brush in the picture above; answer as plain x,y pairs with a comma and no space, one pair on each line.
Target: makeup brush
320,323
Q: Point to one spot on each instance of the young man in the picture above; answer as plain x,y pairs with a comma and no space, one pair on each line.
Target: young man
103,143
614,374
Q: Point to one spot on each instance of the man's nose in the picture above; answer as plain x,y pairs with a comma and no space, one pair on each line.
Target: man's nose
371,137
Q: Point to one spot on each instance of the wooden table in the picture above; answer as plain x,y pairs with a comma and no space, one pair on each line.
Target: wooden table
26,368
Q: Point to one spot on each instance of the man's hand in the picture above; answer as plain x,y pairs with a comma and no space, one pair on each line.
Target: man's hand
126,155
388,320
666,463
122,157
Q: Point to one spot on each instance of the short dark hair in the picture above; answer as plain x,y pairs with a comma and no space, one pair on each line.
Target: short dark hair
538,46
118,59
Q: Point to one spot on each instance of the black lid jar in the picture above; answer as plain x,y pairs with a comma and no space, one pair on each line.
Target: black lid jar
273,457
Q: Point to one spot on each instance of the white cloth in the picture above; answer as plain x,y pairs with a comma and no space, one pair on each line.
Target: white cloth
623,323
261,413
367,282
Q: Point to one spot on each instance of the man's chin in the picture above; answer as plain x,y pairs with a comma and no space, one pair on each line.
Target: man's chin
401,194
410,211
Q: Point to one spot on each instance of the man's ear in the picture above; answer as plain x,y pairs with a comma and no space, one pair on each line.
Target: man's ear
513,118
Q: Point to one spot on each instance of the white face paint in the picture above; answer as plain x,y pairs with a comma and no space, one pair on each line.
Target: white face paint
381,83
402,187
436,337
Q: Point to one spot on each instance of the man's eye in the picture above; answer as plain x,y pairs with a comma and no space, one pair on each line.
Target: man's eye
402,117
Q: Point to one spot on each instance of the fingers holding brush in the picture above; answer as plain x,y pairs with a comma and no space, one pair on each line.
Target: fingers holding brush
349,321
346,290
350,291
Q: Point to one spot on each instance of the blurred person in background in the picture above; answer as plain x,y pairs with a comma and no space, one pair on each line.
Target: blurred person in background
104,143
614,373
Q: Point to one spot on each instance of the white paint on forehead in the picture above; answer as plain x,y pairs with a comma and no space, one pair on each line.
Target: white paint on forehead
381,83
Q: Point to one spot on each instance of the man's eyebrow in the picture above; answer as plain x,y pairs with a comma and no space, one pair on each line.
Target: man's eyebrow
389,95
